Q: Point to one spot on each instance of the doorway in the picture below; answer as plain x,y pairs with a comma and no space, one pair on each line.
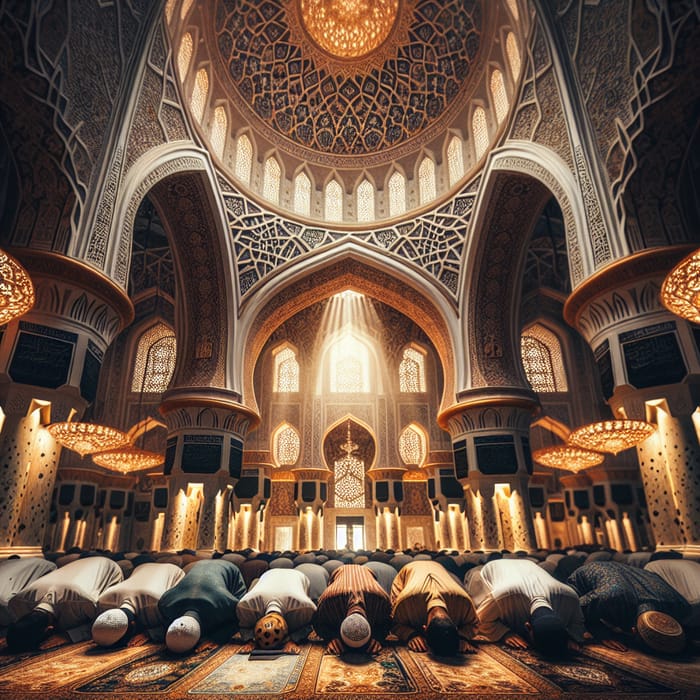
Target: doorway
350,533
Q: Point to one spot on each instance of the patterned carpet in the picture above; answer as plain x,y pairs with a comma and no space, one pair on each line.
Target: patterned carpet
147,670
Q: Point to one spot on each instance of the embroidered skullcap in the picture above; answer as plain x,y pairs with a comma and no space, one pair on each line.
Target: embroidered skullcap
109,627
355,631
661,632
271,631
183,634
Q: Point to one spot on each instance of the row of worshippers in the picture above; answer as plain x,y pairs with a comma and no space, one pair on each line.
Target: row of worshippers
356,606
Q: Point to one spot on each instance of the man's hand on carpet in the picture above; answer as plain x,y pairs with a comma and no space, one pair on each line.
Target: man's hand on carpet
515,641
291,648
335,647
466,647
247,648
373,647
418,643
573,645
614,645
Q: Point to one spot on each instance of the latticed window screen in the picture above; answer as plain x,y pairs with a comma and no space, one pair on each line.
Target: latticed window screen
334,201
302,194
287,446
271,181
184,55
218,131
455,160
397,194
244,158
498,93
365,201
513,55
286,371
426,180
412,371
542,359
349,482
199,94
155,360
480,131
412,446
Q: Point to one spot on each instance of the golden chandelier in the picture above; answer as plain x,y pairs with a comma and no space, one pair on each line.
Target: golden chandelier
567,457
16,289
128,459
680,291
611,435
86,438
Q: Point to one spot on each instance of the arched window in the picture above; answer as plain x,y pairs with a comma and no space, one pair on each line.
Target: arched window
513,5
186,5
302,194
542,359
218,131
334,201
455,160
365,201
498,93
349,366
184,55
155,360
426,180
397,194
349,478
286,445
199,94
169,7
412,371
412,445
271,180
513,56
480,131
244,158
286,376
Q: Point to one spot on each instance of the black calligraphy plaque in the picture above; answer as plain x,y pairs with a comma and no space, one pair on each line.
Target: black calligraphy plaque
42,356
653,356
604,363
201,454
91,372
235,459
461,459
495,454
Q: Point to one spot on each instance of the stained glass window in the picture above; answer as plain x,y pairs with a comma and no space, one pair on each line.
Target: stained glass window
542,359
155,360
397,194
199,94
455,160
271,180
513,56
218,131
480,131
286,370
244,158
334,201
349,366
286,445
426,180
412,445
498,93
365,201
412,371
302,194
184,55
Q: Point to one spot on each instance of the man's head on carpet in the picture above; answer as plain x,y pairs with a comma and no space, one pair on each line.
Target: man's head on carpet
547,632
660,632
111,627
271,631
28,632
355,631
441,633
183,634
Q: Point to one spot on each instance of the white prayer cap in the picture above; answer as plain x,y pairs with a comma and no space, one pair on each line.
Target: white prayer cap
110,627
355,631
183,634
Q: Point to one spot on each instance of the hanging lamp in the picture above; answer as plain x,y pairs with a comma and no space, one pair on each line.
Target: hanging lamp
568,457
611,435
86,438
129,458
680,291
16,289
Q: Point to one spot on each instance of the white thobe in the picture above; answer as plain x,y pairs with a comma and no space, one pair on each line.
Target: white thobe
16,574
506,591
684,576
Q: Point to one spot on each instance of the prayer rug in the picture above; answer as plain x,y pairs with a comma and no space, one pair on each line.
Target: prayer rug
240,675
361,673
582,675
54,642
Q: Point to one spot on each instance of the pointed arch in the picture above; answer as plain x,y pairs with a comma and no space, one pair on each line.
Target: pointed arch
365,201
412,369
498,95
333,210
426,181
154,361
272,179
244,159
542,357
184,54
455,160
397,194
219,131
200,92
513,54
286,445
286,371
413,444
302,194
480,132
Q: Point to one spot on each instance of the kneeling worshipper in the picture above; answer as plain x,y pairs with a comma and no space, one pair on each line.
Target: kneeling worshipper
275,614
133,604
354,612
684,576
15,574
65,599
202,603
519,603
618,599
432,610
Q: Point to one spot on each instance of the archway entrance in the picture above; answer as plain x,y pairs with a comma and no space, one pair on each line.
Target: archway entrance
350,532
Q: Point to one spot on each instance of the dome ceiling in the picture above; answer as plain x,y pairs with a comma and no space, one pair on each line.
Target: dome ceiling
350,92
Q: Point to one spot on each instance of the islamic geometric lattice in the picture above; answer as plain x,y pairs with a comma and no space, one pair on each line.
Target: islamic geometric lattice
302,194
200,91
412,447
286,371
542,360
244,159
155,360
286,446
184,55
412,371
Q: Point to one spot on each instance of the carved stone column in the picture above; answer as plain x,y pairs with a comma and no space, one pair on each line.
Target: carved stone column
311,494
49,358
207,428
387,498
649,367
490,437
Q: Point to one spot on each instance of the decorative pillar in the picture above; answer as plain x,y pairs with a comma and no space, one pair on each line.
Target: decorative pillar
207,428
251,496
578,501
311,494
447,499
51,355
387,498
649,366
490,438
